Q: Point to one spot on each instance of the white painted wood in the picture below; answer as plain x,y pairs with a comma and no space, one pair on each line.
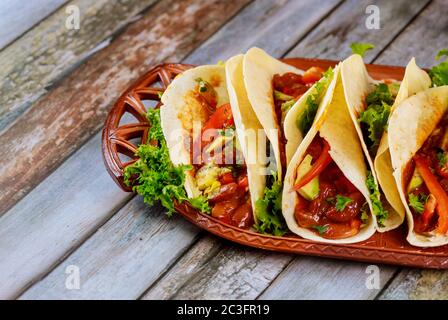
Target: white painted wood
17,16
213,270
55,218
126,254
318,278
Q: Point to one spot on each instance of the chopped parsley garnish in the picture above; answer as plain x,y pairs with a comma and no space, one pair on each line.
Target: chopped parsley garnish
380,213
269,209
320,229
305,121
361,48
439,73
442,157
342,202
374,118
154,176
417,202
160,94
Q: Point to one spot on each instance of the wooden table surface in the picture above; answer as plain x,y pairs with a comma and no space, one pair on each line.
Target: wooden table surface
58,206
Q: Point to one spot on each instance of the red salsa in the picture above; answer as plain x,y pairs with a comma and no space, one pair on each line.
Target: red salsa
224,181
426,182
332,206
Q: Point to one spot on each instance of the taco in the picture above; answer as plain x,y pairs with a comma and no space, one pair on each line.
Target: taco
418,145
325,195
275,90
370,104
199,128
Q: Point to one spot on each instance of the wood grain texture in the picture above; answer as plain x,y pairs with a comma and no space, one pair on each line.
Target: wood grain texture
20,15
145,241
224,271
52,288
316,278
331,39
52,220
184,269
418,285
274,26
75,109
34,62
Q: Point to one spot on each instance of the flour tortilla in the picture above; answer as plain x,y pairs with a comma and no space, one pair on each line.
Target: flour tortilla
177,106
259,69
334,124
409,126
357,85
248,129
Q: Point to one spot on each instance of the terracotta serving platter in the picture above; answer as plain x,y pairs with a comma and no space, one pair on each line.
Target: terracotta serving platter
122,134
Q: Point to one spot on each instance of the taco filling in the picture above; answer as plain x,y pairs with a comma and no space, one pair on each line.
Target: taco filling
328,203
374,117
426,182
288,88
218,164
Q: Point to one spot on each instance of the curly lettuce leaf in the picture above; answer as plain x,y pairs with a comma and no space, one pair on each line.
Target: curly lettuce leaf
375,117
155,177
378,210
439,73
361,48
269,209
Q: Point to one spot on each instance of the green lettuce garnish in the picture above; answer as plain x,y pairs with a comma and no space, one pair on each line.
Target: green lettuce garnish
417,202
361,48
439,73
155,177
374,118
269,209
380,213
305,121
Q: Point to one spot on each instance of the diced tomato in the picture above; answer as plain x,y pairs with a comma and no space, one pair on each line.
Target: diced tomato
312,75
226,178
436,190
222,118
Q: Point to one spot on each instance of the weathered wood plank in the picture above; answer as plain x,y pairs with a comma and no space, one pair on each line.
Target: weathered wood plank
120,267
331,39
33,63
64,119
194,260
316,278
418,285
224,271
309,273
40,230
58,226
51,286
274,26
19,16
